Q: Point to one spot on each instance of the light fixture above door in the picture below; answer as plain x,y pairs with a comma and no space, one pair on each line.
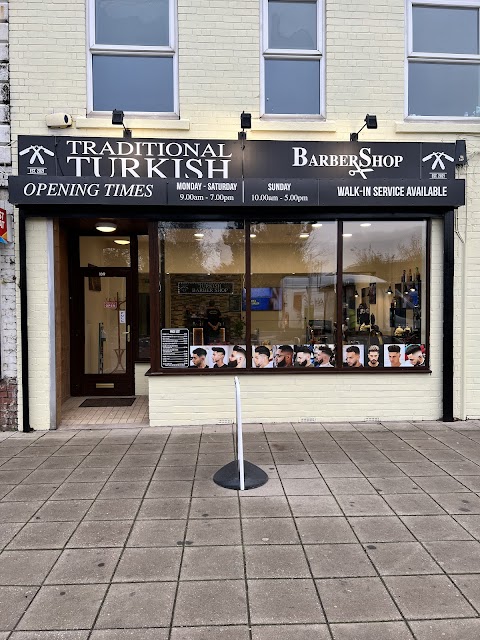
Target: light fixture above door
105,226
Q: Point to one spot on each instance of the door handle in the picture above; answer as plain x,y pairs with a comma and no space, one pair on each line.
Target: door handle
127,333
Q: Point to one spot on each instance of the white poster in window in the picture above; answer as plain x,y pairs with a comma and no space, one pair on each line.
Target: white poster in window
122,317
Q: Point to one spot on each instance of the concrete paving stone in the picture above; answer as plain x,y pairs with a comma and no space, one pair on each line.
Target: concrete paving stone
447,629
443,456
272,488
404,455
130,634
139,460
125,509
212,563
157,533
303,506
213,602
305,487
286,446
324,530
170,489
401,558
210,633
380,470
356,600
427,443
470,482
110,449
264,531
13,476
456,556
13,602
27,568
284,602
18,511
83,566
201,473
442,484
330,456
276,561
371,631
146,448
49,635
205,489
469,585
287,471
470,523
458,503
194,448
22,464
77,491
290,632
184,460
74,450
369,457
164,508
120,490
338,561
465,468
100,533
6,489
26,492
61,462
432,528
63,510
47,476
7,532
214,531
294,457
148,565
413,505
364,505
395,485
419,469
265,507
425,597
131,474
100,462
350,486
342,470
137,605
43,535
89,475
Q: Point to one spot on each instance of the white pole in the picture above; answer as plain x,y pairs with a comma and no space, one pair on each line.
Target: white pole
239,435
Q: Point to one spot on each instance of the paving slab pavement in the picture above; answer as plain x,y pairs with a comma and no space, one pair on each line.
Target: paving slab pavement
363,532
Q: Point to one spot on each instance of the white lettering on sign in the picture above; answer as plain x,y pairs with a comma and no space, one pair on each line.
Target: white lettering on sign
279,186
92,189
360,164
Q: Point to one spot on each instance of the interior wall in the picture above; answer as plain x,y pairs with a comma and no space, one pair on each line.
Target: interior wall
62,318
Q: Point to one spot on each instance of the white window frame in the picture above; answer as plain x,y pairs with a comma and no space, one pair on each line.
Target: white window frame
168,51
292,54
423,56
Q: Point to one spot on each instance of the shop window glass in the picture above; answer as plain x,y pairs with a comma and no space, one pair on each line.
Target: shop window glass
384,294
104,251
143,299
293,294
203,277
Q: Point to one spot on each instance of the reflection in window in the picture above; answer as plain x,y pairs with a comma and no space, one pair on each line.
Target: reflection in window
203,276
293,295
384,293
143,299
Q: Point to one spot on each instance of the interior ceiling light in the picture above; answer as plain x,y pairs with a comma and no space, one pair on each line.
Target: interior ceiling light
315,225
199,235
106,227
389,290
347,235
356,294
304,235
253,235
122,241
366,224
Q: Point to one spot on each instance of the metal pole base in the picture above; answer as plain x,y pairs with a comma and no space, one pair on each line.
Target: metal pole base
229,477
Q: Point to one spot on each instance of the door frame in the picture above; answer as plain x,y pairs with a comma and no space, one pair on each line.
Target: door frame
83,384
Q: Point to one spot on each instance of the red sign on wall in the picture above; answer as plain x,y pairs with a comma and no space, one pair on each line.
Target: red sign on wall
3,227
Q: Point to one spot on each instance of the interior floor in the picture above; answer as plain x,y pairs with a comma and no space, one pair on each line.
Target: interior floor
74,416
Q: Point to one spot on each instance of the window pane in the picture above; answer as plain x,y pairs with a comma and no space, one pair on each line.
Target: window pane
293,298
292,25
103,251
384,294
132,83
132,22
143,299
436,89
204,280
292,86
445,30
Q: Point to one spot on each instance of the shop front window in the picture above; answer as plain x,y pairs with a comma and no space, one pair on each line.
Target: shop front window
384,268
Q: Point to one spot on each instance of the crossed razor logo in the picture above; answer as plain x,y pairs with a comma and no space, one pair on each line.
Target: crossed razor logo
438,162
37,151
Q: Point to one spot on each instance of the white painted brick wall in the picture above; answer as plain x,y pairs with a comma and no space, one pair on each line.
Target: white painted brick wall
219,62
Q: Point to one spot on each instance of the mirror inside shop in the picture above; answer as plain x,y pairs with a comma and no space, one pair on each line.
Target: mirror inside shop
293,293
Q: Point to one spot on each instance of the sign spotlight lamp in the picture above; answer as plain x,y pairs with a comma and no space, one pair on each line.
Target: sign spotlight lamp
117,118
245,123
370,123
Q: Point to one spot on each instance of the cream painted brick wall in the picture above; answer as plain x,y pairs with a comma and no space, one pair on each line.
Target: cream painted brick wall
219,76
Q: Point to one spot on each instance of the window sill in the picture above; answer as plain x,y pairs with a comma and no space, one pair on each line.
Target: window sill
437,127
316,126
134,123
288,371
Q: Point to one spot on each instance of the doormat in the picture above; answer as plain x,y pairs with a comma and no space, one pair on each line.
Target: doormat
108,402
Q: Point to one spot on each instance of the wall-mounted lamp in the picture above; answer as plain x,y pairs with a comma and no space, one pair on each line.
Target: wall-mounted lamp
389,290
117,118
245,123
105,227
460,153
370,123
356,294
412,286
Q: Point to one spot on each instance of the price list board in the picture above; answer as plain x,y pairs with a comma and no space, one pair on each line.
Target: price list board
205,192
175,348
281,192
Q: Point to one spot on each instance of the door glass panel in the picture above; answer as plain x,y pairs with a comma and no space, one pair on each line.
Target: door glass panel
104,251
106,325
